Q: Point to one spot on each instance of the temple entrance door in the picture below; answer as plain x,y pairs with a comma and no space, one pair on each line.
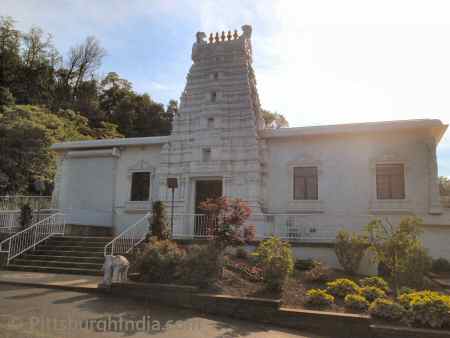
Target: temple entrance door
204,189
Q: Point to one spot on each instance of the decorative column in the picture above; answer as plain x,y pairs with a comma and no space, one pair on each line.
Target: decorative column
435,207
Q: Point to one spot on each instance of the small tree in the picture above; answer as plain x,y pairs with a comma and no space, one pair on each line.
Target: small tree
6,98
276,260
158,221
225,221
350,249
26,216
393,246
225,226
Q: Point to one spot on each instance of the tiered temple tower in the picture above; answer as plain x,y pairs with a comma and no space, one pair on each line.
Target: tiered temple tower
215,134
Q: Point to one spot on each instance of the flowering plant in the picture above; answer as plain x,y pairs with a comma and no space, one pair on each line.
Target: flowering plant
225,221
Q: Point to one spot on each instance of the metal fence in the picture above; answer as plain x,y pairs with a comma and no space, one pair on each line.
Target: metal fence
27,239
15,202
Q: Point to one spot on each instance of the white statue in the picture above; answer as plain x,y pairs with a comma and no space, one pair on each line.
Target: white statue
115,269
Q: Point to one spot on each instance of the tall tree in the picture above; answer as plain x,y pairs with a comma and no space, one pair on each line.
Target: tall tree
36,75
9,53
444,186
274,120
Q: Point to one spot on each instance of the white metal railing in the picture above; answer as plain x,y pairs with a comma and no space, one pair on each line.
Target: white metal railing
28,239
129,238
315,227
15,202
10,219
298,227
190,225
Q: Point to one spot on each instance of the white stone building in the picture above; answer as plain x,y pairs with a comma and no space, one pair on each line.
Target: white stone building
302,183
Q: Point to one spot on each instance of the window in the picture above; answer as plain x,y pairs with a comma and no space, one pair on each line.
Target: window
140,186
213,96
206,154
390,181
305,183
211,122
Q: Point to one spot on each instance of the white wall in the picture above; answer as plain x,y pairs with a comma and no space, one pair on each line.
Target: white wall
134,159
347,181
86,190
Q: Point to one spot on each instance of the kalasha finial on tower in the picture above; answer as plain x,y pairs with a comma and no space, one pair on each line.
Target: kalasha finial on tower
235,35
247,31
217,38
229,35
200,37
222,37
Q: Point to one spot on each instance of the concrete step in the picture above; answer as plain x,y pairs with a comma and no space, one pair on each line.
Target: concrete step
90,239
88,230
62,264
63,244
68,253
81,259
53,269
71,248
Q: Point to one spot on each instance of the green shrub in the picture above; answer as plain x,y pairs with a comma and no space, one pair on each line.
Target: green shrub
440,265
319,273
200,266
405,290
26,216
427,308
375,281
304,264
398,248
318,298
350,249
371,293
342,287
276,259
387,309
159,261
356,302
158,222
417,265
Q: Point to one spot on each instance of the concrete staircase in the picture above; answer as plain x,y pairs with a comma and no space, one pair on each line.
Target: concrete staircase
73,254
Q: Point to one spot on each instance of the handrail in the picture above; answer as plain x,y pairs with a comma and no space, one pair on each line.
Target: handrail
129,238
28,239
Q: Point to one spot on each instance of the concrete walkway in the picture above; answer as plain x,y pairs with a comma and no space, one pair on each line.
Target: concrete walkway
43,313
50,280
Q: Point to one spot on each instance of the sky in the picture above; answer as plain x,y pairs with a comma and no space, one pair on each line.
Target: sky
316,62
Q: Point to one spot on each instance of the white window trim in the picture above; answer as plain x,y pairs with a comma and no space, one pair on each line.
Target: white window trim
390,205
304,205
140,206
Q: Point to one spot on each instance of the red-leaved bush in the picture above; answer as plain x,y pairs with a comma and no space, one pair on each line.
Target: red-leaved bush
226,219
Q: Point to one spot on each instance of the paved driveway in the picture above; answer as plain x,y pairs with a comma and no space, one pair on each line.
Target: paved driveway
27,312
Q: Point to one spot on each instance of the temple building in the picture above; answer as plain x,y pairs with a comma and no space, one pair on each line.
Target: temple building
303,184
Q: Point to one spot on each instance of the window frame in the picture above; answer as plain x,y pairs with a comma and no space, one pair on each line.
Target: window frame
206,154
315,193
404,183
130,195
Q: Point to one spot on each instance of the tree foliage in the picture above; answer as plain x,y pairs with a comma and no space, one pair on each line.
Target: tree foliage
444,186
26,134
397,247
62,98
274,120
225,221
350,249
